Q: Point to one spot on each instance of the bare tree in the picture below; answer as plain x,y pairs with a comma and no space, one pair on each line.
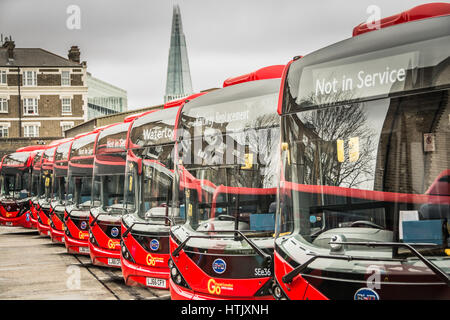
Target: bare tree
330,124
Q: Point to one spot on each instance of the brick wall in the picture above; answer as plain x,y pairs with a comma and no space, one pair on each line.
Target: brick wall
11,79
48,79
76,80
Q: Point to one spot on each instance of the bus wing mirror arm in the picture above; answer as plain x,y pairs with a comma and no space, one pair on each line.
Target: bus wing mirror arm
125,234
96,218
176,252
287,278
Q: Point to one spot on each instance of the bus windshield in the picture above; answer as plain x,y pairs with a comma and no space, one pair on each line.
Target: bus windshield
14,185
15,175
60,172
79,175
59,188
154,197
47,173
79,190
228,162
366,159
109,169
36,190
108,189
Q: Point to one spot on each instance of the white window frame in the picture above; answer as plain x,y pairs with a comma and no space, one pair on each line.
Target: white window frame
69,124
3,78
67,84
34,106
4,105
26,130
4,127
66,112
29,81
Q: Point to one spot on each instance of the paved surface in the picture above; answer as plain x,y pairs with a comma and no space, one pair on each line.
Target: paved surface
32,267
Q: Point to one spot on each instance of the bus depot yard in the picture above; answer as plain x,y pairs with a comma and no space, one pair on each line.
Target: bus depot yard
33,268
284,184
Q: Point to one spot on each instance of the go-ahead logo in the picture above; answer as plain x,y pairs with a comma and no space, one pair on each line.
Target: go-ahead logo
151,261
219,266
112,244
366,294
154,244
114,231
83,225
217,287
83,235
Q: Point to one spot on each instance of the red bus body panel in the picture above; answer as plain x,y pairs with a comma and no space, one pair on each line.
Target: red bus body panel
78,239
147,264
108,248
205,287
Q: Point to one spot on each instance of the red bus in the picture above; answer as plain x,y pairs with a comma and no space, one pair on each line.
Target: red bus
58,201
148,198
223,213
364,197
78,193
37,189
107,195
46,178
36,153
15,189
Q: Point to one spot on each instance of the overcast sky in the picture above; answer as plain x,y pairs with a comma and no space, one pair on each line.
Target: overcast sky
126,42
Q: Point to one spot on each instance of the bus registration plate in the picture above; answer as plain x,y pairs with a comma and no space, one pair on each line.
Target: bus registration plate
155,282
114,262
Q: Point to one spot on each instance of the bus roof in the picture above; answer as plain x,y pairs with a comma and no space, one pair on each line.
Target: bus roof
137,115
17,159
153,129
113,138
420,12
270,72
32,148
421,45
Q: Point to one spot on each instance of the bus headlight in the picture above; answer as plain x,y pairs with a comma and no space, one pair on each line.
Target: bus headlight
176,275
278,293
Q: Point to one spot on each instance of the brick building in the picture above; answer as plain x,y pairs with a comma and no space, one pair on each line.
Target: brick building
41,95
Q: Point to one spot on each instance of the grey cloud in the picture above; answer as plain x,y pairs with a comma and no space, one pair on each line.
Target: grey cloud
127,42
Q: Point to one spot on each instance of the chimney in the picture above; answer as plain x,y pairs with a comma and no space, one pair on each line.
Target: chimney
74,54
9,45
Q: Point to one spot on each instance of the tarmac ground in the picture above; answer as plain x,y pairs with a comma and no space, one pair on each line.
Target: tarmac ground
32,267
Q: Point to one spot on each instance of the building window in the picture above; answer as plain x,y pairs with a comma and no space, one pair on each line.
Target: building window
31,130
65,78
30,106
66,105
3,105
4,131
3,77
29,78
66,126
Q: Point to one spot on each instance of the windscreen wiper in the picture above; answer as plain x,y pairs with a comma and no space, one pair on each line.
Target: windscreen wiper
298,270
410,246
267,258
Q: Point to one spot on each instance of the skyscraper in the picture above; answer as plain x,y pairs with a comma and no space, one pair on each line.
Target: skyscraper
178,83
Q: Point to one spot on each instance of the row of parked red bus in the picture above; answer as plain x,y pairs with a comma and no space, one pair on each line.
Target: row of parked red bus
327,178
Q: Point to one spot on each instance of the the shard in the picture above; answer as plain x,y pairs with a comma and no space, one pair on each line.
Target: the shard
178,83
